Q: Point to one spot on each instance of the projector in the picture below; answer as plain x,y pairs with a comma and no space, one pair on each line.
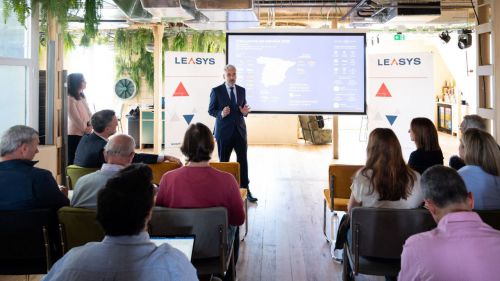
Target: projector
410,12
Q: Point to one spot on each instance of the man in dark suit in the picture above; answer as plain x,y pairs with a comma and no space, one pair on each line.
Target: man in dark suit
24,186
229,107
89,153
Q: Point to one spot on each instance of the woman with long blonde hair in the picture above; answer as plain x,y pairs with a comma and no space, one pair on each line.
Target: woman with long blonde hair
481,173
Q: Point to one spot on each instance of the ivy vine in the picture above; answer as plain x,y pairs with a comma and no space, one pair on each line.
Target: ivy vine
58,8
134,61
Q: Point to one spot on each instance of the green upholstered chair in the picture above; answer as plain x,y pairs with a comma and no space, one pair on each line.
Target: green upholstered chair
75,172
312,132
78,226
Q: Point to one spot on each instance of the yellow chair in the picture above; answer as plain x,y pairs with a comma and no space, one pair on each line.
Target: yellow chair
75,172
336,196
159,169
234,169
77,226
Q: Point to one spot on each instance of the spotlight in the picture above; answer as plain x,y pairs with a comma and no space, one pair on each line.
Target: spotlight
445,36
464,38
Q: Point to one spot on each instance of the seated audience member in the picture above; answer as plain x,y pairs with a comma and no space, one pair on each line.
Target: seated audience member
197,185
462,247
384,182
89,152
469,122
482,171
24,186
118,153
124,208
424,134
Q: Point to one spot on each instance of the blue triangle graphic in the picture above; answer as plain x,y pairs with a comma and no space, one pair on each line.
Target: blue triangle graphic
188,118
391,118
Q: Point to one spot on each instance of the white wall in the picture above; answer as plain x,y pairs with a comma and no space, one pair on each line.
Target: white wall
460,63
450,63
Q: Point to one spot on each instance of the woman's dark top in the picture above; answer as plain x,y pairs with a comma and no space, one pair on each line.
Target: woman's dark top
420,160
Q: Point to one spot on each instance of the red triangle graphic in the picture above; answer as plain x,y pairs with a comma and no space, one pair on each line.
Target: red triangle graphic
181,91
383,91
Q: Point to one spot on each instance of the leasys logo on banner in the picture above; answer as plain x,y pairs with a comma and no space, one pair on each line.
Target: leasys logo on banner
191,60
399,61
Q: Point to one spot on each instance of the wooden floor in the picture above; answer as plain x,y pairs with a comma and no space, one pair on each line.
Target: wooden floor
285,240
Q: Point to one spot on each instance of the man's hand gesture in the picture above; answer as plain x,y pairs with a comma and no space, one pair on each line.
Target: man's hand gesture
226,111
245,109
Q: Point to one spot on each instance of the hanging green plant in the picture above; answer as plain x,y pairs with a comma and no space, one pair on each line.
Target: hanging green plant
20,7
69,42
59,9
92,17
134,61
180,42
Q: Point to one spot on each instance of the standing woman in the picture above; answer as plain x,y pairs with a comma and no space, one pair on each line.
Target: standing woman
78,113
424,134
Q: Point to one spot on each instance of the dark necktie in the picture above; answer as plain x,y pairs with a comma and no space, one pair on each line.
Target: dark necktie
233,97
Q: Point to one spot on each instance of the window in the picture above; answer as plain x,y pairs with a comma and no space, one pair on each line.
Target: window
18,72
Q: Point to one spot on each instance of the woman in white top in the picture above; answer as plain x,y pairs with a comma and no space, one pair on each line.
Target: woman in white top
385,181
78,113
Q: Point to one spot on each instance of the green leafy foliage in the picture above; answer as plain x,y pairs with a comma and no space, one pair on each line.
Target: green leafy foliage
20,7
134,61
58,8
92,17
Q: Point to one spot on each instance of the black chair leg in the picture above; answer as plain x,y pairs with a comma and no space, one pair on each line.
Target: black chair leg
347,274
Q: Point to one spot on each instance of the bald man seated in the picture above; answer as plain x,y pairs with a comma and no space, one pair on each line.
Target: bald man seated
118,154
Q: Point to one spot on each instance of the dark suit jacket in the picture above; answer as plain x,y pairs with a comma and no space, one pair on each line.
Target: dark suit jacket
23,187
224,127
89,153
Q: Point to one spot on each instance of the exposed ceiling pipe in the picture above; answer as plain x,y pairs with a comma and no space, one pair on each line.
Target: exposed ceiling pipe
353,9
190,8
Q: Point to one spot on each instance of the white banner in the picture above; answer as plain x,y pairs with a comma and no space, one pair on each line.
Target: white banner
189,77
400,87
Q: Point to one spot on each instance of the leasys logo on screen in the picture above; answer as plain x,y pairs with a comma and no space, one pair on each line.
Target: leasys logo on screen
399,61
194,60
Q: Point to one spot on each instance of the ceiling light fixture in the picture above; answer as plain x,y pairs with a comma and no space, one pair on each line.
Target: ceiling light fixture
464,38
445,36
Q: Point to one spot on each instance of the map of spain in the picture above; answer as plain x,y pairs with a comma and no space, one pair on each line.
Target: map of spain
274,72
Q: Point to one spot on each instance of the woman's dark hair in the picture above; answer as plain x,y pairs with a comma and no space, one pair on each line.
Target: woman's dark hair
425,134
198,143
75,81
126,201
390,177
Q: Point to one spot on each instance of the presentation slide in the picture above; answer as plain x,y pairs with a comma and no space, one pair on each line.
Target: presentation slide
322,73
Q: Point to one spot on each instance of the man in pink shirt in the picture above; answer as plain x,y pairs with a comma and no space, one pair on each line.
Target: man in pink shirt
462,247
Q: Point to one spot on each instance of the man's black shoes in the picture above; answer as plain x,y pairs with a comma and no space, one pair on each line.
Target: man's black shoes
250,198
